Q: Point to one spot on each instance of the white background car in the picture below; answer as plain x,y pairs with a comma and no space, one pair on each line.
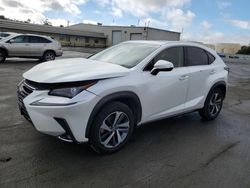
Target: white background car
29,46
103,98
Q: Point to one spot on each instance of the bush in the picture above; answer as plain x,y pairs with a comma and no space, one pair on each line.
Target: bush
244,50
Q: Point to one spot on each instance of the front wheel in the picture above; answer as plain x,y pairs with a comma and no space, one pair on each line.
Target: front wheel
112,129
213,105
2,56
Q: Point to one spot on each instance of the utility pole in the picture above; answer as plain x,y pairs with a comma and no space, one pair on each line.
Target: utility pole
182,31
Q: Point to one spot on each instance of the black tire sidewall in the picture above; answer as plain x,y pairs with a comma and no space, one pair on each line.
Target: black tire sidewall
105,111
4,57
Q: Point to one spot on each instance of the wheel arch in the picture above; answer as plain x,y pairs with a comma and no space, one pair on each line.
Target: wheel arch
127,97
5,50
49,50
222,86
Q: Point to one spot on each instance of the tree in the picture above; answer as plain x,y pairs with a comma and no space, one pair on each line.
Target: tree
2,17
28,21
244,50
46,22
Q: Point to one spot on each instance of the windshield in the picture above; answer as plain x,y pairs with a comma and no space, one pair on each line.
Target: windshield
125,54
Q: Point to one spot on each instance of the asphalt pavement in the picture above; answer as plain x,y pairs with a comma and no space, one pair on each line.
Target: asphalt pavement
184,151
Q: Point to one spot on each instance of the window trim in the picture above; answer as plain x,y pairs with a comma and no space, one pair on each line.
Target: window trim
168,47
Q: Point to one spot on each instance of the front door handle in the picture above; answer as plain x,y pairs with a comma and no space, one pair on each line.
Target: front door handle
184,77
213,71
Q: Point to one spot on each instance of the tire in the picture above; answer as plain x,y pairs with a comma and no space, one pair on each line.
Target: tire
49,56
2,56
213,105
106,136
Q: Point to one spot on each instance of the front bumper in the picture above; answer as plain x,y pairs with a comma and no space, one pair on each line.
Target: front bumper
52,111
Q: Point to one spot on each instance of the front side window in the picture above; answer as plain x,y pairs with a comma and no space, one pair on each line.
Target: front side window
20,39
125,54
173,55
196,56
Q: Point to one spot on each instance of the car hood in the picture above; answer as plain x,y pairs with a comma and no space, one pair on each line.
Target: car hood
74,69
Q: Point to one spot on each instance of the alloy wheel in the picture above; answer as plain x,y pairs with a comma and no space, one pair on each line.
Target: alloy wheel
114,129
49,56
215,104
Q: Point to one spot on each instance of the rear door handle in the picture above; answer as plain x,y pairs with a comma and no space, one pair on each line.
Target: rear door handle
184,77
27,45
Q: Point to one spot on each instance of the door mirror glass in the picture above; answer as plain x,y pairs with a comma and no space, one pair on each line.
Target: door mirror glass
162,65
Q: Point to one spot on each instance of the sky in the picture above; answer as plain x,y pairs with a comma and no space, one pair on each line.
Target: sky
209,21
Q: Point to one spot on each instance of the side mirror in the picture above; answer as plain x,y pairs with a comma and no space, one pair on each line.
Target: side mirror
162,65
11,41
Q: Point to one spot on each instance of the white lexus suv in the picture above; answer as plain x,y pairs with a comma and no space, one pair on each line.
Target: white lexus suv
103,98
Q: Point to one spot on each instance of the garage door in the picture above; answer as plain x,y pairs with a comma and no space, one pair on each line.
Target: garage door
135,36
116,37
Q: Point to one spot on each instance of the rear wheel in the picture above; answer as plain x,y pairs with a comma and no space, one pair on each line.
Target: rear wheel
49,56
112,128
213,105
2,56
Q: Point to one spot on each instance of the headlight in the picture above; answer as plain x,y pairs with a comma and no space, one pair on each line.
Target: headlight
70,92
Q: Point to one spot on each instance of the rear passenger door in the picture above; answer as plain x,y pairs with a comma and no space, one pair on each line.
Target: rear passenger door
37,45
198,62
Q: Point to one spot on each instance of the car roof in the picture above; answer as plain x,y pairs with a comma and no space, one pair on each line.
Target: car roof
165,42
34,35
171,43
153,42
17,34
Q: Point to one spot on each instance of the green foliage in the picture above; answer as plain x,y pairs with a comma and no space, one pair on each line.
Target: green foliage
2,17
244,50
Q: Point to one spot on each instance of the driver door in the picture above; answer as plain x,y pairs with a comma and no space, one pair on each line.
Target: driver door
18,46
165,93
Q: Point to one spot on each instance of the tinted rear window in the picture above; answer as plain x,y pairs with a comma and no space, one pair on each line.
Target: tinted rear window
35,39
196,56
211,58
